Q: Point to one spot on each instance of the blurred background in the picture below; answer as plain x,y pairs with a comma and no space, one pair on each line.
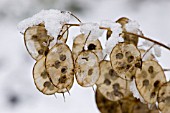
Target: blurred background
18,93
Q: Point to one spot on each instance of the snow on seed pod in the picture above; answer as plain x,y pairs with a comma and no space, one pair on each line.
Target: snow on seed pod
125,59
87,68
164,98
93,45
149,79
106,106
129,26
60,66
37,41
41,79
109,83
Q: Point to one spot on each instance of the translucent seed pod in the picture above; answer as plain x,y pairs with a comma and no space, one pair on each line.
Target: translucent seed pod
93,45
37,41
60,66
106,106
109,83
149,79
41,79
87,68
164,98
125,59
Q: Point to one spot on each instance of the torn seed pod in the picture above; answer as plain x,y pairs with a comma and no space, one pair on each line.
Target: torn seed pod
149,79
128,38
106,106
37,41
109,83
164,98
60,66
41,79
87,68
125,59
93,45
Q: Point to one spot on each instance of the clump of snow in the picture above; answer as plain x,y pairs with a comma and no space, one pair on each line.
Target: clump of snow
93,29
132,26
106,23
114,39
52,19
135,91
157,50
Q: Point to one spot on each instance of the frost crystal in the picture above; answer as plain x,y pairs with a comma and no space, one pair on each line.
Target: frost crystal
157,50
52,19
92,28
135,91
132,26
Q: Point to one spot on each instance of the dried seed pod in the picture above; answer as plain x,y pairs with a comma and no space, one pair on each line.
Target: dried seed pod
109,83
149,79
37,41
59,65
131,39
105,105
87,68
164,98
79,43
125,59
41,79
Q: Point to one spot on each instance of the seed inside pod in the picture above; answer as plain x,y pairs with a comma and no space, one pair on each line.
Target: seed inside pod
105,105
164,98
59,65
93,45
125,62
109,83
36,41
149,79
85,63
41,79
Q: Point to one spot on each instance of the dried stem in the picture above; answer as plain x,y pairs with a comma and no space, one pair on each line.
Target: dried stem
148,51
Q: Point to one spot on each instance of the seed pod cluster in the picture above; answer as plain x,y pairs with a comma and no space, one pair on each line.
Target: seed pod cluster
56,65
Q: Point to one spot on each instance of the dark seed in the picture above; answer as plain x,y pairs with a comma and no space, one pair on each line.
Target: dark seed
41,51
112,73
127,54
117,93
44,74
91,47
116,86
90,72
153,94
130,58
57,64
64,70
138,65
145,82
47,84
35,37
62,57
107,82
156,84
119,56
51,88
63,79
150,69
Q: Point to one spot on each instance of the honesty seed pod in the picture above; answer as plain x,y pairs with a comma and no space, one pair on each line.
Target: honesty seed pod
41,79
105,105
60,66
37,41
149,79
87,68
164,98
92,45
125,59
109,83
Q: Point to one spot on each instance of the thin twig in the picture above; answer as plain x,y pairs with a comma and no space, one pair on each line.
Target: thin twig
75,17
147,51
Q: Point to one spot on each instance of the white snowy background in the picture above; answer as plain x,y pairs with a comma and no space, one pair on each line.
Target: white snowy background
18,93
